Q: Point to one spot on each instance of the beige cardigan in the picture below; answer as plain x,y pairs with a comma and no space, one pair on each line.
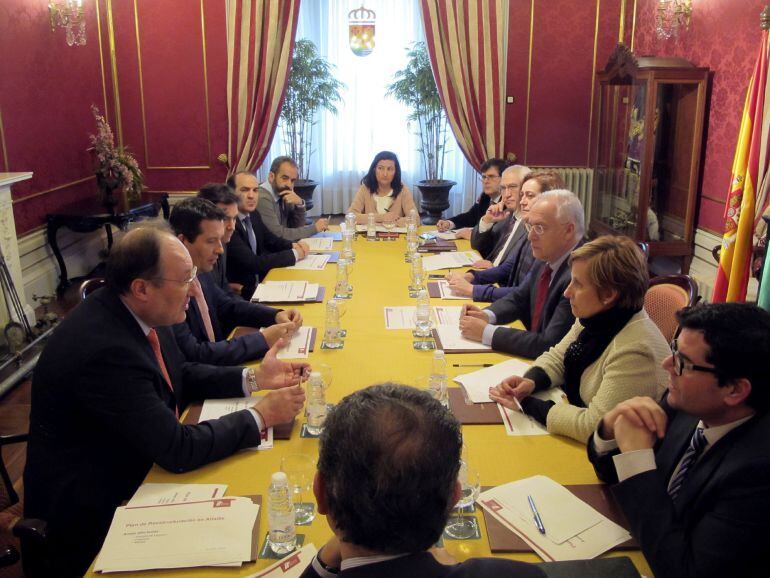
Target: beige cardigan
364,203
629,366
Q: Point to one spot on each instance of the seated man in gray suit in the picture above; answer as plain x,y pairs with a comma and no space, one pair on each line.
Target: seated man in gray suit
282,210
387,492
555,227
692,473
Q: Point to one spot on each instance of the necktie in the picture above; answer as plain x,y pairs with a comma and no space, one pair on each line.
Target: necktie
542,292
200,299
250,233
152,337
691,455
508,236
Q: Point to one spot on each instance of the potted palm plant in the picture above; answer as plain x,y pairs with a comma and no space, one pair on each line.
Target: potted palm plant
414,86
312,86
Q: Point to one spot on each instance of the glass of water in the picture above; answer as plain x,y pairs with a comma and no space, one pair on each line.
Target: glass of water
423,322
300,469
460,526
417,275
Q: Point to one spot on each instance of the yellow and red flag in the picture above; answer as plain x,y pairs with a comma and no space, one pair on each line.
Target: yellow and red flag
741,205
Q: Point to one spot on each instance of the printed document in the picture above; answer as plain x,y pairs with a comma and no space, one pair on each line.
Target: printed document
216,408
186,535
163,494
311,263
299,345
450,338
319,243
450,260
290,566
446,291
285,291
403,317
477,383
573,529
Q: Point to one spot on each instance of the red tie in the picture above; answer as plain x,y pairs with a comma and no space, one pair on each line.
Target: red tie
152,337
542,292
200,299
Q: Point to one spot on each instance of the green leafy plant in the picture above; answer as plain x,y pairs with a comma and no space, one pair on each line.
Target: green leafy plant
415,87
312,86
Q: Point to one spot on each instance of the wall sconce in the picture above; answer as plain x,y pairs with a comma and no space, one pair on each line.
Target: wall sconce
68,14
361,26
671,17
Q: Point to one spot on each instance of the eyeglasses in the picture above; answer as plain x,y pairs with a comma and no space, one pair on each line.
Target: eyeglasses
186,282
489,177
680,364
513,187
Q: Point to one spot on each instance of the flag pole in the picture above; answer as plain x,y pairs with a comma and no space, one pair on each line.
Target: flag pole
764,18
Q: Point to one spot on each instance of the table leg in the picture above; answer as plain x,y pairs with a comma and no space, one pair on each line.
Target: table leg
51,232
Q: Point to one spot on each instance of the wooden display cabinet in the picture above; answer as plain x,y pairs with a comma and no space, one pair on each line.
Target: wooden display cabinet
647,153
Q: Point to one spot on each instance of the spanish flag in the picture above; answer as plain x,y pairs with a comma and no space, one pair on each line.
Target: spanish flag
741,212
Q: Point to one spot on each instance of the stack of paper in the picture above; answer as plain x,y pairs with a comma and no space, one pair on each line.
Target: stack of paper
299,345
573,529
333,235
403,317
450,260
451,338
319,243
163,494
477,383
518,423
382,229
180,535
447,235
285,291
311,263
292,566
216,408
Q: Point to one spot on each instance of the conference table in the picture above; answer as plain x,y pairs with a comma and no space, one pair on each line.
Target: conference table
373,354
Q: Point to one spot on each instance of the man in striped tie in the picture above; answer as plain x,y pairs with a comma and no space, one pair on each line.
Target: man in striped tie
692,473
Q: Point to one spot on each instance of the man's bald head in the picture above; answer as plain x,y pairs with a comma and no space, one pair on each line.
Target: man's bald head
136,256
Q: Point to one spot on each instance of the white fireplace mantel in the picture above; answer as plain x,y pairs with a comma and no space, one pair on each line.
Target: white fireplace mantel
9,244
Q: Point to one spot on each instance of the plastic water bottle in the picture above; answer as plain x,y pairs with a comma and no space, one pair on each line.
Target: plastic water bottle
332,338
371,228
347,244
341,287
350,222
280,515
316,403
413,218
437,382
412,242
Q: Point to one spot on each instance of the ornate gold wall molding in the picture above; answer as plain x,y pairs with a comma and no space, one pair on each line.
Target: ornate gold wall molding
51,190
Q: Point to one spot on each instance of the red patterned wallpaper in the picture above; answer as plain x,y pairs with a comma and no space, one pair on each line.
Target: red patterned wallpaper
724,37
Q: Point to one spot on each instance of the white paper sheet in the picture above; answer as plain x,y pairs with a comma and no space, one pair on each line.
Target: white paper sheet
216,408
382,229
574,530
285,291
311,263
450,338
517,423
162,494
450,260
319,243
447,235
403,317
186,535
477,383
291,566
299,345
446,291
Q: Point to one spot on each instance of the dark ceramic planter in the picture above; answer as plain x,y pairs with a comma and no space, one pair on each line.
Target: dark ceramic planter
435,199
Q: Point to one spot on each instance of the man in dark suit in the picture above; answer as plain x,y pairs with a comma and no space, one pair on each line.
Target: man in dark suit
253,250
555,226
223,197
106,396
490,194
500,226
213,313
386,491
692,473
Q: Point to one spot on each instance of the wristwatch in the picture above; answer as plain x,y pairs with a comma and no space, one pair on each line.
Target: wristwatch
251,378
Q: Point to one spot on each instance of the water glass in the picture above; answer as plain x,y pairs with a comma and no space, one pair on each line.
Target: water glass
416,275
350,222
371,228
341,287
460,526
300,469
348,236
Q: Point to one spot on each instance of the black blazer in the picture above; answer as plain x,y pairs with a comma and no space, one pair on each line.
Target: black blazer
472,216
555,319
102,415
491,242
246,268
424,565
226,312
718,526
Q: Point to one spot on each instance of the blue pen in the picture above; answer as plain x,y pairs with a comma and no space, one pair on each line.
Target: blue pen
536,514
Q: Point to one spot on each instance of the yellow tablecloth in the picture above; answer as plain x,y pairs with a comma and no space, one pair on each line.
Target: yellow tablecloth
371,355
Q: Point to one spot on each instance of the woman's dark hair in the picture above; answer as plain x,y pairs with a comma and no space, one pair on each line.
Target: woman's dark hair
370,179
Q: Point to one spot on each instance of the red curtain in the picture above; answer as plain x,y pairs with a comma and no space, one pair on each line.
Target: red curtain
466,43
260,41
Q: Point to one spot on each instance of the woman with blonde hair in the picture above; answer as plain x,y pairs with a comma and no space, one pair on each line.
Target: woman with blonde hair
612,352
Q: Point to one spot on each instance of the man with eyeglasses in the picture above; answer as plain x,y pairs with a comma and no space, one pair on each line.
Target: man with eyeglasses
106,397
490,185
692,473
555,226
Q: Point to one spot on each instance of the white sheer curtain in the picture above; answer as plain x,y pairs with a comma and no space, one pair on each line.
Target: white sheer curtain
368,121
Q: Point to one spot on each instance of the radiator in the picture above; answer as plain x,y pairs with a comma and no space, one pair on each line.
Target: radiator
579,180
